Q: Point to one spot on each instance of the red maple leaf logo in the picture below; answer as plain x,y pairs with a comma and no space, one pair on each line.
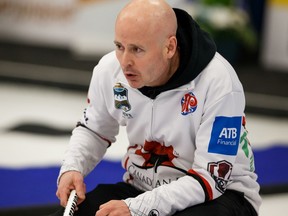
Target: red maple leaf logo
156,154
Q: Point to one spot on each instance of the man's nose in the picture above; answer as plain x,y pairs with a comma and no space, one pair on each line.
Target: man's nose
126,59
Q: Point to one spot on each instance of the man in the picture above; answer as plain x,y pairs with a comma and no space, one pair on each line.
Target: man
183,108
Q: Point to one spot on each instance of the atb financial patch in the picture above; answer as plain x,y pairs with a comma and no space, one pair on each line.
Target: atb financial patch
225,135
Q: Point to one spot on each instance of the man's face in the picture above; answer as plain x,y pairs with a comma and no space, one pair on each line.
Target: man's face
141,54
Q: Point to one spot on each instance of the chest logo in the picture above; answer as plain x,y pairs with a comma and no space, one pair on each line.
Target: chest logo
188,103
121,98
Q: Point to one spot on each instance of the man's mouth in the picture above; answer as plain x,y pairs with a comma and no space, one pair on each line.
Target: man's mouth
130,74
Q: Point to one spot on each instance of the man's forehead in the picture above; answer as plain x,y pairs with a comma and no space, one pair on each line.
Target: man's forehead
132,33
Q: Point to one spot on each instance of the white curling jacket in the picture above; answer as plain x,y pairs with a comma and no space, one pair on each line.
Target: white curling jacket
186,146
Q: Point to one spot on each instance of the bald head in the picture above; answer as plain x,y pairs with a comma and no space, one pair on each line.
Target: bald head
146,43
154,16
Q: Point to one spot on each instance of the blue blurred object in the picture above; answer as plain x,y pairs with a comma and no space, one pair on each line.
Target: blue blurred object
271,165
37,186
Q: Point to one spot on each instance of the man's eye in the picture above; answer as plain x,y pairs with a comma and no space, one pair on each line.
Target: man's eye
118,47
137,50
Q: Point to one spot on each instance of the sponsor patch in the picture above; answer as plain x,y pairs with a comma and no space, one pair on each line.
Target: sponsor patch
188,103
225,135
121,98
153,212
221,172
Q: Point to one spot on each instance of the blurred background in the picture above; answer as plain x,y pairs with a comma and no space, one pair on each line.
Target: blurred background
48,50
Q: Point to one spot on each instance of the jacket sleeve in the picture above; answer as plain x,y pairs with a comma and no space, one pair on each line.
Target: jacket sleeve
96,129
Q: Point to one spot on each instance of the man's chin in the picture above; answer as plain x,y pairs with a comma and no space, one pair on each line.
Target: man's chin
135,85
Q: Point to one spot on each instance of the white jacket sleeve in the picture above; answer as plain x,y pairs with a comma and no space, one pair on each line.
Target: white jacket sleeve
85,151
96,132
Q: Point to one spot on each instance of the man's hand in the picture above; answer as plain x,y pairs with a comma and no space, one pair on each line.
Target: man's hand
113,208
71,180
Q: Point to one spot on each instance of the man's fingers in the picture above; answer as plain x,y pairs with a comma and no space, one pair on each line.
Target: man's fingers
80,190
69,181
102,212
113,207
63,196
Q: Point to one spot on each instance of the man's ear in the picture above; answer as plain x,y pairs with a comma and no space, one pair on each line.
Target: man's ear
171,46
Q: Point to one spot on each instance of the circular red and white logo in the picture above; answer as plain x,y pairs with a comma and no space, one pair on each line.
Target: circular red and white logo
188,103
